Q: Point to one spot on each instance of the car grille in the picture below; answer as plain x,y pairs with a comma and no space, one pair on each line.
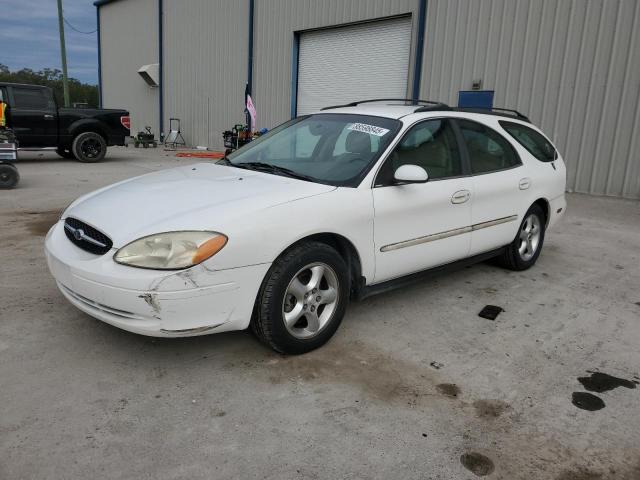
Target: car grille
86,237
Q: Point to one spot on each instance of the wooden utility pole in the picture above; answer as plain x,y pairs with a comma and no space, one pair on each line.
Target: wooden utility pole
63,52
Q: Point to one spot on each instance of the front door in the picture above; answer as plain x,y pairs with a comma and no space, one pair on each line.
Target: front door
33,116
419,226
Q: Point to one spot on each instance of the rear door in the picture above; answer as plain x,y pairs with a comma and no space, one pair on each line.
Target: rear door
33,116
499,186
419,226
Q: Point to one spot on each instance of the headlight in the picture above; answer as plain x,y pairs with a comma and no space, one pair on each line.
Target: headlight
171,250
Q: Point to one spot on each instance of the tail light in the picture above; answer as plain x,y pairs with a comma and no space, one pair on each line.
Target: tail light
126,122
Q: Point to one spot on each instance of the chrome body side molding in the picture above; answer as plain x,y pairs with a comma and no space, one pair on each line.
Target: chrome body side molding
446,234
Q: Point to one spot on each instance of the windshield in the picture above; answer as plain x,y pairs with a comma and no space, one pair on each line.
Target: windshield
331,148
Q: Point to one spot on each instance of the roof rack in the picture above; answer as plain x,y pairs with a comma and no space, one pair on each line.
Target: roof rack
437,106
410,101
502,112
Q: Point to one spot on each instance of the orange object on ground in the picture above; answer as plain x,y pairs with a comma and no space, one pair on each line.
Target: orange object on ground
214,155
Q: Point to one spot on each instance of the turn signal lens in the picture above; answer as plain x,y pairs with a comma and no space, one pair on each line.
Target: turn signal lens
209,249
171,250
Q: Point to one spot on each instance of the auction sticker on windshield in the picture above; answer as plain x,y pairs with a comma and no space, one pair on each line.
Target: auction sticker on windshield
370,129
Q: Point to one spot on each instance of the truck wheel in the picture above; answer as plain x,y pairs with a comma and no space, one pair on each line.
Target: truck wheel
64,153
89,147
9,176
303,299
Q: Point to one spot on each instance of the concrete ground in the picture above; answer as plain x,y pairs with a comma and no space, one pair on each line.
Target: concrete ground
81,399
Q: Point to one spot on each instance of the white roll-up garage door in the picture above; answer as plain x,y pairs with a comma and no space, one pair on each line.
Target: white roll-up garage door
344,64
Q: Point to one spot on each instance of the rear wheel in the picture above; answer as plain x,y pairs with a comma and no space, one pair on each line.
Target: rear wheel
302,299
65,153
525,249
9,176
89,147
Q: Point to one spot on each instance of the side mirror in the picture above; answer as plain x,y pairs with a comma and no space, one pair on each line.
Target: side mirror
410,174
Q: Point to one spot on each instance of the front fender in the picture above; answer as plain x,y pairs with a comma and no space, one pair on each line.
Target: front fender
261,236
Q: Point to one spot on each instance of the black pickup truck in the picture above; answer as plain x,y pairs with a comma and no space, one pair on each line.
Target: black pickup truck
80,133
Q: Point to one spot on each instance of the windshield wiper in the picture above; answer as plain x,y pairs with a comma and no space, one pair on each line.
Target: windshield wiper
225,160
267,167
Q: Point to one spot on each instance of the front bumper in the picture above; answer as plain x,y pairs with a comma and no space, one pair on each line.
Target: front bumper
189,302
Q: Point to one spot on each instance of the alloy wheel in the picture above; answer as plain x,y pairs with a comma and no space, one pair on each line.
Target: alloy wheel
310,300
529,237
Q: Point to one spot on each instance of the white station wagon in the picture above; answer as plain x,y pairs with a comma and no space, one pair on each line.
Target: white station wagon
325,208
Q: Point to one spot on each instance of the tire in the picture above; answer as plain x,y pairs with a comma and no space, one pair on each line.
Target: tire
314,309
64,153
89,147
9,176
525,249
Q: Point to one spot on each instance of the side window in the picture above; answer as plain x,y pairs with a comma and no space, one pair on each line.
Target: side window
488,150
3,95
534,142
431,145
31,98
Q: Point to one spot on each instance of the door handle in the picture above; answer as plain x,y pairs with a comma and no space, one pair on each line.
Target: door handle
460,196
524,183
48,117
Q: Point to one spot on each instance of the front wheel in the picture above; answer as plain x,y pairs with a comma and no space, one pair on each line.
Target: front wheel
302,299
89,147
525,249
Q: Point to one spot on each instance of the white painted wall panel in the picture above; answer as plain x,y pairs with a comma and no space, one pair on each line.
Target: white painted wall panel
128,40
205,56
572,66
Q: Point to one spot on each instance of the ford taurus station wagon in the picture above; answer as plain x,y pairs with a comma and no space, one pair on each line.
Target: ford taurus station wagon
329,207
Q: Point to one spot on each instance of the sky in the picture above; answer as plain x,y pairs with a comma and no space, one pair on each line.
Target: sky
29,36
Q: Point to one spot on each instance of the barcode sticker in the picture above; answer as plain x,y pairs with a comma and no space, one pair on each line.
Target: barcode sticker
370,129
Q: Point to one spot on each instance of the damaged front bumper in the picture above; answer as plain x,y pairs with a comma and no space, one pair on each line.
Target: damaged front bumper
190,302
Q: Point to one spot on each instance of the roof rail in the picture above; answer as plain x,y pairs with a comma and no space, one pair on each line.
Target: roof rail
437,106
410,101
503,112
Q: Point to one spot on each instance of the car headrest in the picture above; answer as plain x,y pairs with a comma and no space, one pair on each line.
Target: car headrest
358,142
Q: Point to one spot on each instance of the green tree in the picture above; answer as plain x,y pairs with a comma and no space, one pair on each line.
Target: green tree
52,77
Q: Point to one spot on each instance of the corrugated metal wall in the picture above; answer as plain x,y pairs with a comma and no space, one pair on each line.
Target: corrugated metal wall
205,67
124,49
275,22
573,66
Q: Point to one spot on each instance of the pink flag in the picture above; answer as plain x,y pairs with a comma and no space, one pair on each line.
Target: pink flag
251,108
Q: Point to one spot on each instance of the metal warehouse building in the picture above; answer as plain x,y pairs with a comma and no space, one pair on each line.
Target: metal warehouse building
573,66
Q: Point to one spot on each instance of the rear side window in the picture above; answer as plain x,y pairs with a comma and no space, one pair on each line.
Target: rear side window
31,98
534,142
488,150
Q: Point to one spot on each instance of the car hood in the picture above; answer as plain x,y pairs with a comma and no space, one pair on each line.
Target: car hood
196,197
